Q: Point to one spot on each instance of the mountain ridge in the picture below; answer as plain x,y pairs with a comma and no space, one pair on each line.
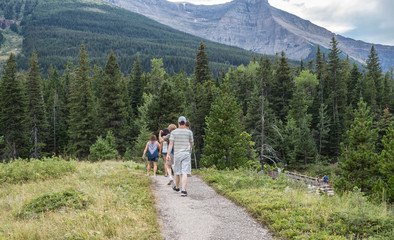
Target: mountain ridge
253,25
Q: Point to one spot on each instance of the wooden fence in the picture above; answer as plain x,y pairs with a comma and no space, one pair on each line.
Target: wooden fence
313,183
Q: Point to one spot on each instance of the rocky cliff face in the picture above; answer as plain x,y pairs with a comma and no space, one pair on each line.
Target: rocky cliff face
252,25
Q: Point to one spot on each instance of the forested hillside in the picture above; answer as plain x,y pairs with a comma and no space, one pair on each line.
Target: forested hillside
56,28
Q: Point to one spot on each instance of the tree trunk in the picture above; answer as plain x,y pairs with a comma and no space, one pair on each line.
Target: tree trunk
262,128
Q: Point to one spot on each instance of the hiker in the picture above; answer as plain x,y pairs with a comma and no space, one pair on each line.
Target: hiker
168,164
164,147
182,141
154,150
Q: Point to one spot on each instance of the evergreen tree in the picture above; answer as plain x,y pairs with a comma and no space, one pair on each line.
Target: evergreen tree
336,100
38,122
56,112
374,81
226,144
282,88
153,113
13,116
386,163
383,125
113,111
136,87
104,148
201,71
82,119
155,77
299,134
323,130
354,87
358,160
202,90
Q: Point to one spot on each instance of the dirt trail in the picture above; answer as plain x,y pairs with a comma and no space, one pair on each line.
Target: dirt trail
203,214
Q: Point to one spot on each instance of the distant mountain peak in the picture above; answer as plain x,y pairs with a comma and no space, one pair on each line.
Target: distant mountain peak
253,25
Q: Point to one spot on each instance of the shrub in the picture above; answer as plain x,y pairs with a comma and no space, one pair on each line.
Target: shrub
104,149
54,201
20,170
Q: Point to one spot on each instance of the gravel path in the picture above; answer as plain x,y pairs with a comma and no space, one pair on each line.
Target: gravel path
203,214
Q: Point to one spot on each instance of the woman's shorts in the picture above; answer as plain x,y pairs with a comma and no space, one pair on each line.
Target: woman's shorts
164,154
153,159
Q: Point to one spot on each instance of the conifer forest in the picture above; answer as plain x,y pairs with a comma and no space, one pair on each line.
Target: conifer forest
326,111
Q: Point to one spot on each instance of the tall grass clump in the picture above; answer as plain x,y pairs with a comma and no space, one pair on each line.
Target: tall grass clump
291,211
24,170
102,200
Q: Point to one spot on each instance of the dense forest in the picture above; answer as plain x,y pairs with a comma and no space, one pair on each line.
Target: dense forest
54,29
263,113
139,76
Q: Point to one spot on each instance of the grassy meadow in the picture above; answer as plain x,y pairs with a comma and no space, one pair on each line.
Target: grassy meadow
292,212
76,200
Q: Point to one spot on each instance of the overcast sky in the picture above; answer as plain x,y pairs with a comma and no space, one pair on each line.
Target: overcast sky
367,20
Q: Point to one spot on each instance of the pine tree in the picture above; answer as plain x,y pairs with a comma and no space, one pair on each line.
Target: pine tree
354,87
38,122
82,119
155,77
282,88
110,101
201,72
336,100
13,117
358,159
203,96
375,81
136,87
383,125
226,144
153,113
386,163
323,130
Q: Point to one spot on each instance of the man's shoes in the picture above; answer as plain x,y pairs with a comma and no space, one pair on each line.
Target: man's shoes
183,193
175,189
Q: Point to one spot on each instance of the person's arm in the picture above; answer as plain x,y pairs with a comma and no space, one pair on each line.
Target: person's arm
159,147
191,139
146,148
160,137
169,150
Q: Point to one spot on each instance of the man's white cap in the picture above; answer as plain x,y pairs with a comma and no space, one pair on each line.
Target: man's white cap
181,119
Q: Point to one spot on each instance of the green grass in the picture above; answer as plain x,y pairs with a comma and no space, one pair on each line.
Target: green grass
104,200
291,212
21,171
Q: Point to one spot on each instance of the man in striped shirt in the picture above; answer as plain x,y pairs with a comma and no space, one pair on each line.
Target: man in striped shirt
182,141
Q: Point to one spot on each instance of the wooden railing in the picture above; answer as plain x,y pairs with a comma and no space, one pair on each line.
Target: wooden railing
318,183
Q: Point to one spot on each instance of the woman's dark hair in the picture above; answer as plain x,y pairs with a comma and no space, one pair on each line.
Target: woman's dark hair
153,138
165,132
187,124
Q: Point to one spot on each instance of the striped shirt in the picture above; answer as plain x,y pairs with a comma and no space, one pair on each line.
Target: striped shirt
182,139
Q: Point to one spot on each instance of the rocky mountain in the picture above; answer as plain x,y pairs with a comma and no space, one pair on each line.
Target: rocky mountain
253,25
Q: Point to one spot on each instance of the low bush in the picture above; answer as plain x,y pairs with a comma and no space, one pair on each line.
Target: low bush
20,170
292,212
54,201
104,148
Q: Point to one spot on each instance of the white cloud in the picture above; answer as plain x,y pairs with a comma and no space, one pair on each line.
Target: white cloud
367,20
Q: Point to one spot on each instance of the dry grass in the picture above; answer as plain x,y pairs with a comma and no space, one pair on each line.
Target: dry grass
122,206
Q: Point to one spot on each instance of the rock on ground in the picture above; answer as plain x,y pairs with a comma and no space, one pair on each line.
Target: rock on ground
203,214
